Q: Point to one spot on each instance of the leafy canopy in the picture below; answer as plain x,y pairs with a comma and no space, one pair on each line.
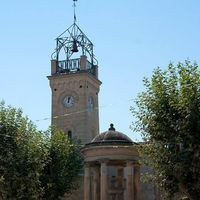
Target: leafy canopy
168,116
61,173
23,156
34,164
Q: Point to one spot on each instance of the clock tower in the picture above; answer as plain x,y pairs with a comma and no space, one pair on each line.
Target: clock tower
75,85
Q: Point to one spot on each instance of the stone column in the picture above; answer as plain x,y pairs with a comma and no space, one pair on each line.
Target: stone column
53,67
96,71
104,181
137,189
129,180
83,62
96,183
86,181
120,182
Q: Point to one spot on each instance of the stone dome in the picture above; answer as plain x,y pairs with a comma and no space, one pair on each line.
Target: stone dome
111,137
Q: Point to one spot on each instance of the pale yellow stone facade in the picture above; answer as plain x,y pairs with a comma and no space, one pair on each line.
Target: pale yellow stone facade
112,172
80,120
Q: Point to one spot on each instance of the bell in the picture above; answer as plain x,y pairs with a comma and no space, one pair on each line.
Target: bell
74,47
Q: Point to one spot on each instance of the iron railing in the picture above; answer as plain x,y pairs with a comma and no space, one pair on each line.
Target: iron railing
73,66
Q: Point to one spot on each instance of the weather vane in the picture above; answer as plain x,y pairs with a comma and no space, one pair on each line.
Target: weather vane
74,5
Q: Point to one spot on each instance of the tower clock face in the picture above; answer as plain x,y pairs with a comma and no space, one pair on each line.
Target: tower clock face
68,101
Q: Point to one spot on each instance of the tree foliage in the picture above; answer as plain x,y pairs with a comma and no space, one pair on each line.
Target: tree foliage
168,114
22,156
61,173
26,154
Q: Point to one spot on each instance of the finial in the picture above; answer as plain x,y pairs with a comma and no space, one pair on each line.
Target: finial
111,127
74,5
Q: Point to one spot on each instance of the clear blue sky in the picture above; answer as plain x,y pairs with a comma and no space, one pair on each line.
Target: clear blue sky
131,38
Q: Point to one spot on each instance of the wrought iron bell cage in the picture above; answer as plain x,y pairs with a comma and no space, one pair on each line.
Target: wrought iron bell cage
71,41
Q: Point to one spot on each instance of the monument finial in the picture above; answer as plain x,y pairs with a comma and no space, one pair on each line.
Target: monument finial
74,5
111,127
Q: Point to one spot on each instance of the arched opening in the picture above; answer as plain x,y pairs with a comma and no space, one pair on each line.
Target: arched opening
69,133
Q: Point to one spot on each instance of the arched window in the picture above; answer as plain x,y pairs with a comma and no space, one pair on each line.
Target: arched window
69,133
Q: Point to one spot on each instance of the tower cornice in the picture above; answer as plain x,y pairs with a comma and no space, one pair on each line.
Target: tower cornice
77,74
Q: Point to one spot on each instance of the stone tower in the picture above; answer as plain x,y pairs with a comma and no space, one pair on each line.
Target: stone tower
75,85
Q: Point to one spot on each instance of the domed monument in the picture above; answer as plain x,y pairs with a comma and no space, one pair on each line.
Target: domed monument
112,169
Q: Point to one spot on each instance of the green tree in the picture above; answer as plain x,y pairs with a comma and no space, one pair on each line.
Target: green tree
34,164
168,117
23,156
61,174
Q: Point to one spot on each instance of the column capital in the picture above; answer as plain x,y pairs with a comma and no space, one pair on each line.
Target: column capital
129,163
105,161
87,164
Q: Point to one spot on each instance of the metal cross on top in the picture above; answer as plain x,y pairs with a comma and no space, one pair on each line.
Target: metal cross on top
74,10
